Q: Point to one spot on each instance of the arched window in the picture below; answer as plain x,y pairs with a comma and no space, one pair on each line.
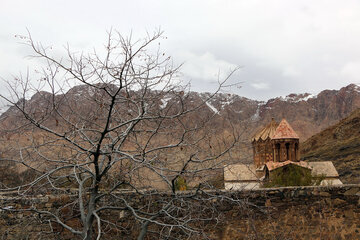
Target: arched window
287,145
277,152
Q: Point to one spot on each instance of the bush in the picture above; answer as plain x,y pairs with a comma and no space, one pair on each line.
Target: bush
180,184
292,176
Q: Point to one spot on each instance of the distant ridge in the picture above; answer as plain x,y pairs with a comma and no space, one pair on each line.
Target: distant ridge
307,114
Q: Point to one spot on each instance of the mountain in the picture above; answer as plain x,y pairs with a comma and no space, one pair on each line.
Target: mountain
309,114
306,113
340,144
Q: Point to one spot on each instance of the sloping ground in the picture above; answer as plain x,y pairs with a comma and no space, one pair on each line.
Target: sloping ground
339,143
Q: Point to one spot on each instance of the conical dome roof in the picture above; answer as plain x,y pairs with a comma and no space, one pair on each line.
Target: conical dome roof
284,130
266,132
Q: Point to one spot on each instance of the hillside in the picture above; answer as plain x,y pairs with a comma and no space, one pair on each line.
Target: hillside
339,143
306,113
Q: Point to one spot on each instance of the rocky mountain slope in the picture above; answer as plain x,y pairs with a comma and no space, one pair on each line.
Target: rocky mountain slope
339,143
306,113
309,114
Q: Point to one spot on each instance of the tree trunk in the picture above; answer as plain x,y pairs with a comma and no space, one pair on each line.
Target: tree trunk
143,231
88,229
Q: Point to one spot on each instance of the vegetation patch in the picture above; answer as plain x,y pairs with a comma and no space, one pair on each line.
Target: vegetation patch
292,176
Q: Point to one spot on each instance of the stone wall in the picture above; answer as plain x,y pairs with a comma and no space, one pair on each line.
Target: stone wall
263,152
279,213
298,213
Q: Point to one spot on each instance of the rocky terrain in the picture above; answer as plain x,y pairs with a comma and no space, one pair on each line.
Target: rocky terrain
307,114
339,143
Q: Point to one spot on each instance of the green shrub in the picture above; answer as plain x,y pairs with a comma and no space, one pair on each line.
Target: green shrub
180,184
292,176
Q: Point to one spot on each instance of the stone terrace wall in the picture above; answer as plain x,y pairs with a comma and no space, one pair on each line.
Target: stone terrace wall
279,213
298,213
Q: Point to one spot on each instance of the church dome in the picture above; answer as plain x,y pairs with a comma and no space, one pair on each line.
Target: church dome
284,130
266,132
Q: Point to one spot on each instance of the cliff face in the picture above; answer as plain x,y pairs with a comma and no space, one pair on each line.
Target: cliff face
310,114
339,143
307,114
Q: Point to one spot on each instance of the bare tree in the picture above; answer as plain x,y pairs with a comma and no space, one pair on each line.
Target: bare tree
126,130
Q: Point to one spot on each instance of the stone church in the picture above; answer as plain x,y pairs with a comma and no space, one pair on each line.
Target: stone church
276,142
275,148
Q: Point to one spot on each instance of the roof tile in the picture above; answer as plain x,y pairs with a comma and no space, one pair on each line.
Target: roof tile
274,165
266,132
284,130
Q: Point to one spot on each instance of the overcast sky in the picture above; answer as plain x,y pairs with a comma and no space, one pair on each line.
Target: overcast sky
282,46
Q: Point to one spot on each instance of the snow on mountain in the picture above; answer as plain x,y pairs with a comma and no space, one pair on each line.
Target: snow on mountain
294,98
164,102
212,108
307,113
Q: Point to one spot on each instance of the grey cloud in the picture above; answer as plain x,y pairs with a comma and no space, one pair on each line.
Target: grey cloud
284,46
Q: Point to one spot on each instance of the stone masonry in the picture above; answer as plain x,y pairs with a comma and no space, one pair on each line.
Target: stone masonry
331,212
